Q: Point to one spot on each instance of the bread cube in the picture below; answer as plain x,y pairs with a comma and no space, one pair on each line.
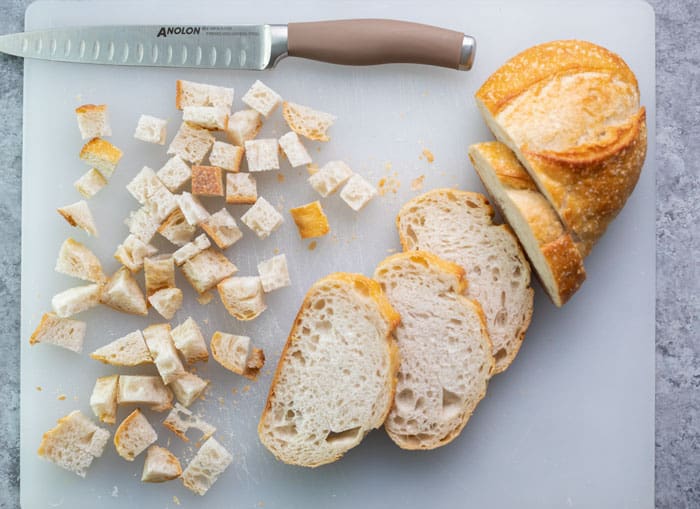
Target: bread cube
144,390
122,293
176,229
167,302
90,183
103,399
226,156
222,228
142,224
211,460
132,251
189,93
174,174
188,339
101,155
262,98
330,177
310,220
242,297
188,388
160,465
296,153
207,181
129,350
243,125
93,121
151,129
192,208
205,298
57,331
76,300
307,122
206,269
191,249
208,117
180,420
233,352
357,192
162,349
241,188
150,192
134,435
74,259
262,155
262,218
78,214
159,273
274,273
191,143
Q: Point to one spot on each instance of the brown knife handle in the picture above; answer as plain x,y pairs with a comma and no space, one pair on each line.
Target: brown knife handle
380,41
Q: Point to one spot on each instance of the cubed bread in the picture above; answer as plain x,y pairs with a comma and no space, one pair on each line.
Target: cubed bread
190,93
162,349
188,388
192,208
307,122
76,300
167,302
180,420
161,204
132,252
243,125
176,229
74,443
142,224
330,177
101,155
207,181
159,273
234,353
160,465
57,331
74,259
262,218
151,129
241,188
296,153
191,143
122,293
310,220
205,298
242,297
129,350
144,390
262,155
208,117
144,185
103,399
78,214
206,269
226,156
189,341
90,183
93,121
191,249
222,228
262,98
174,174
357,192
274,273
205,468
134,435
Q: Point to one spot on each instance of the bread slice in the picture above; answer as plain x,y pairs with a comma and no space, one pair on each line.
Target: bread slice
234,353
162,349
78,214
103,399
457,226
167,302
180,420
123,293
134,435
74,259
93,121
129,350
310,219
445,351
63,332
551,250
101,155
74,443
188,388
90,183
144,390
205,468
188,339
336,376
76,300
307,122
160,465
206,269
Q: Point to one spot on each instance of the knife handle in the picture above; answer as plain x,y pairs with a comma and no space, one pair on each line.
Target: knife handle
380,41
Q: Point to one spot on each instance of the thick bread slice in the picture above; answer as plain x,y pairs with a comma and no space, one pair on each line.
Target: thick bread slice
160,465
570,111
552,251
205,468
130,350
63,332
446,359
134,435
336,376
457,226
74,443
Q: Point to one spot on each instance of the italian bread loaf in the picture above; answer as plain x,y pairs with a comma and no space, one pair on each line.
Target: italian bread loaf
551,250
445,351
336,376
570,111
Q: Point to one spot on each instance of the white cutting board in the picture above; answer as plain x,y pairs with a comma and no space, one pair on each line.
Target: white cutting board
570,424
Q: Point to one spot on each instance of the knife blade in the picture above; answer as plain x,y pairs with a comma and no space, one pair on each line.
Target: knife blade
254,47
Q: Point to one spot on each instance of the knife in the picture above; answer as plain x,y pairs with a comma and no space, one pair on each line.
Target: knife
255,47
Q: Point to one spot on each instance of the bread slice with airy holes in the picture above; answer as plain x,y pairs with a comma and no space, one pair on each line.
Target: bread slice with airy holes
336,376
445,351
551,249
458,226
160,465
134,435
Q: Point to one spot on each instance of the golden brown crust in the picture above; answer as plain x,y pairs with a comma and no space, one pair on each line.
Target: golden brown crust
310,220
207,181
178,95
101,148
87,108
425,258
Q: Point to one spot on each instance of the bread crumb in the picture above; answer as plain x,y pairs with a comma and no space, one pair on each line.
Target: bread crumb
176,500
61,397
221,401
312,168
388,184
115,491
234,390
38,388
276,250
387,166
312,245
318,149
261,504
280,178
428,155
417,183
246,388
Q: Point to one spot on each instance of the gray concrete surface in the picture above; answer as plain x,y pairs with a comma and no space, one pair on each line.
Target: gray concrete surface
678,254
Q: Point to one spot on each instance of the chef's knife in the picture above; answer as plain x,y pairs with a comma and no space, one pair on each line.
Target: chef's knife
347,42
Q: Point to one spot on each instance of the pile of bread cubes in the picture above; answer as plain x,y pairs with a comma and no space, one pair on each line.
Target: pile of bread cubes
178,215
